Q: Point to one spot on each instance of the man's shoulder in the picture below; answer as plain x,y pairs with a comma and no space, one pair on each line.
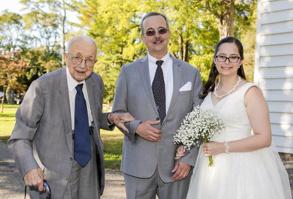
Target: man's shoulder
186,66
96,77
134,64
95,80
51,77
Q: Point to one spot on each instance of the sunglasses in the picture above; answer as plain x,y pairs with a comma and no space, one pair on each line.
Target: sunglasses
151,32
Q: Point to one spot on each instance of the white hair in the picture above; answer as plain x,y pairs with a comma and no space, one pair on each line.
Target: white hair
83,38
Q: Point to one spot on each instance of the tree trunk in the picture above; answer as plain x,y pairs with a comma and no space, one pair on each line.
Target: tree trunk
9,96
226,21
181,44
2,101
186,55
63,32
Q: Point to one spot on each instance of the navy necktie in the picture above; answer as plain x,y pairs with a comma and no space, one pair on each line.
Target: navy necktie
82,147
158,88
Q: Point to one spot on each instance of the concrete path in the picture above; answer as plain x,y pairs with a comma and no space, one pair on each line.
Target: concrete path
11,185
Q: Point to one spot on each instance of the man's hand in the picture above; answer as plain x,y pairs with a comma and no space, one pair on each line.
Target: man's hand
148,132
119,119
180,171
34,178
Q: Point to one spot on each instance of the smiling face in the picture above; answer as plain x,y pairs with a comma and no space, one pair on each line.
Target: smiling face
225,66
156,44
81,48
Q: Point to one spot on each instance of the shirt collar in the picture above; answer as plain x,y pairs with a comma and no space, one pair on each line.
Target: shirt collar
153,59
72,83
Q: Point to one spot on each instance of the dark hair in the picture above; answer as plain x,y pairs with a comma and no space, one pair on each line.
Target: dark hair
210,85
150,14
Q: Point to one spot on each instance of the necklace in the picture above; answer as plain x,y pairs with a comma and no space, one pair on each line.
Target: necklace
228,92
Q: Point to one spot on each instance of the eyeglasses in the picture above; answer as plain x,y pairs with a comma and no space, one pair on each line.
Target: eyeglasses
76,60
151,32
232,59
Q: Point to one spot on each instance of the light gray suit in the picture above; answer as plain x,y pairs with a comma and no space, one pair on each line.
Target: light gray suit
142,158
44,119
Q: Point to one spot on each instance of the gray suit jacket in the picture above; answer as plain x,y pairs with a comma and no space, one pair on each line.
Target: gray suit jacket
134,95
44,120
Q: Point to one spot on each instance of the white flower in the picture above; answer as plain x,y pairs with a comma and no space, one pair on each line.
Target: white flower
198,126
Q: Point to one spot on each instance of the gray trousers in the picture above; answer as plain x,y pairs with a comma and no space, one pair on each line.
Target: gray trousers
83,182
149,188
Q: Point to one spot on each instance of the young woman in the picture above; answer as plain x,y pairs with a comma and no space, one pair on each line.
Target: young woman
245,167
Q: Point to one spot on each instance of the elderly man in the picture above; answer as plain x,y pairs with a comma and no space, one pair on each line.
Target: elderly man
56,136
156,87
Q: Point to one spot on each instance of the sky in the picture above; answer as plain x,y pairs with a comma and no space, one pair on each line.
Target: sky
11,5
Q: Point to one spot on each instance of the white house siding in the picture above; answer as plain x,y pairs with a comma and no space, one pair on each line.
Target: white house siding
274,67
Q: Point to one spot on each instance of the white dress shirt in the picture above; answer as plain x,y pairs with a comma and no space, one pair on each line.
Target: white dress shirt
167,68
72,83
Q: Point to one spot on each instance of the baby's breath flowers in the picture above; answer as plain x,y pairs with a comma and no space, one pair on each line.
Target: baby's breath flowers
198,127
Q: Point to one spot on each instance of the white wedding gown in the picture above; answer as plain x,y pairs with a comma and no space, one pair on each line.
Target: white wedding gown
250,175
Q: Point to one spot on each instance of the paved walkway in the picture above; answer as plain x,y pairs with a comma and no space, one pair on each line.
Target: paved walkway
11,185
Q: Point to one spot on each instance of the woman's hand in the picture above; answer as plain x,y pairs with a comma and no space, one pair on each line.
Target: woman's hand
213,148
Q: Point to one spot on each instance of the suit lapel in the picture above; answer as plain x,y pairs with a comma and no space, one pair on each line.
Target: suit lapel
94,103
177,81
145,77
66,114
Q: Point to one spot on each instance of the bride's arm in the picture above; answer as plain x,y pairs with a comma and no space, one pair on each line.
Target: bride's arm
258,114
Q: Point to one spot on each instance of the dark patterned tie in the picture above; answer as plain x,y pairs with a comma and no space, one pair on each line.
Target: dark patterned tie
158,88
82,147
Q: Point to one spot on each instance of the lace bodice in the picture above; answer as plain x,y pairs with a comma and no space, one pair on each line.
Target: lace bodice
233,112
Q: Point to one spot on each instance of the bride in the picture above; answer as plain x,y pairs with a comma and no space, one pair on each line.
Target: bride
245,167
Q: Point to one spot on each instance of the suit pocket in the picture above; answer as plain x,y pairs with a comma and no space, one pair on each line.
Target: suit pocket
184,92
183,103
51,175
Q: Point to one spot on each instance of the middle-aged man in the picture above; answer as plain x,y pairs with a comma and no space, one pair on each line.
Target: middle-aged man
56,136
158,91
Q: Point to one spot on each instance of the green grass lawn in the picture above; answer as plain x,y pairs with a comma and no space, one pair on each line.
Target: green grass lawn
7,120
112,139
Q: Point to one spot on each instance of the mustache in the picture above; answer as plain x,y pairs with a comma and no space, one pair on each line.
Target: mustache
158,38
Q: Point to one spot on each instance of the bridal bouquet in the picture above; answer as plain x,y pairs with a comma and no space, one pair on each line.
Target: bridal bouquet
198,127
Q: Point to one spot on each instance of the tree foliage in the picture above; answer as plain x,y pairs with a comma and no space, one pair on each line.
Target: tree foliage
11,26
231,15
196,26
28,49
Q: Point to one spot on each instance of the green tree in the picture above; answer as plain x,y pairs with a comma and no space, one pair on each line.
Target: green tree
38,61
12,67
232,16
11,26
49,20
115,27
27,51
196,27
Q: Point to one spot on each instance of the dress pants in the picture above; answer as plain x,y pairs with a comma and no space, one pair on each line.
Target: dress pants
148,188
83,182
